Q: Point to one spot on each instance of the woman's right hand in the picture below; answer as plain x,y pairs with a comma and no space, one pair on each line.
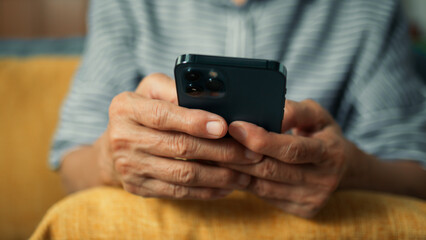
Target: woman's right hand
147,131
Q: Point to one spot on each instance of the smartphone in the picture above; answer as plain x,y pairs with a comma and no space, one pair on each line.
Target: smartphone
238,89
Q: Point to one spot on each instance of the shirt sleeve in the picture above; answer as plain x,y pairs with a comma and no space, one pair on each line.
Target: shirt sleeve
108,68
384,108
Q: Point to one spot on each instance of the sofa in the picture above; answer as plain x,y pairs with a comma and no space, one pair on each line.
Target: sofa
31,91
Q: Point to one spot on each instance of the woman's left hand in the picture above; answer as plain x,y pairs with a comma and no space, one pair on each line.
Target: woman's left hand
299,172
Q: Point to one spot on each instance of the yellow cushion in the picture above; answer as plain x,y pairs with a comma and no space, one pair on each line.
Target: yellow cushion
109,213
31,91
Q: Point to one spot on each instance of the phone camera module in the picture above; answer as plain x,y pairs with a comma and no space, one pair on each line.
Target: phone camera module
194,90
192,76
214,85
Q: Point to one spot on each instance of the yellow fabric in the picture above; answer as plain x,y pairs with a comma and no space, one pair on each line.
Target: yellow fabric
31,91
108,213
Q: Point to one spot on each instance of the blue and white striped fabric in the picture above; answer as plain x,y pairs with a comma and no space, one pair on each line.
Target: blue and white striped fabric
353,57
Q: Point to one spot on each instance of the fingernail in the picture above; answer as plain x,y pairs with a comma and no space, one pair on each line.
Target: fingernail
243,180
214,128
252,155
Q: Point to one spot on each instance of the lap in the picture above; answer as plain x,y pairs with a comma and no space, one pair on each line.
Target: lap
111,213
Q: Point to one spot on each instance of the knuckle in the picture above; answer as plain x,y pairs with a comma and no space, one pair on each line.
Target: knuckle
118,137
118,104
228,177
289,152
181,145
180,192
185,175
117,141
228,153
159,114
122,166
261,189
269,168
294,151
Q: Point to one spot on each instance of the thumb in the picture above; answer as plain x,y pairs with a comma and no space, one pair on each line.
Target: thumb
307,116
158,86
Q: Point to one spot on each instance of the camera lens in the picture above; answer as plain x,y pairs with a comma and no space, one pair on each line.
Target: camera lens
194,90
192,76
214,84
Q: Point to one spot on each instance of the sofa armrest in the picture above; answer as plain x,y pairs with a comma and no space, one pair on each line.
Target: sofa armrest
31,92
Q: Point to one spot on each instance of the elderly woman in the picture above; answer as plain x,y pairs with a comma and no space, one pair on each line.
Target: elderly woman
363,127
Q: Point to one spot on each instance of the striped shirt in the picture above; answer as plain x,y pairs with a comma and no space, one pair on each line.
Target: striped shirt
353,57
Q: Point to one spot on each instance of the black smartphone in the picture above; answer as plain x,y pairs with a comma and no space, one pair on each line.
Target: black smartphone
251,90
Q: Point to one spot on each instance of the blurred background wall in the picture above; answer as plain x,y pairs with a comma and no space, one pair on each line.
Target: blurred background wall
42,18
65,18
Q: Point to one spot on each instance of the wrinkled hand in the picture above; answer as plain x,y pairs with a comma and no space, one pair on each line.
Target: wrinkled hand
145,134
299,172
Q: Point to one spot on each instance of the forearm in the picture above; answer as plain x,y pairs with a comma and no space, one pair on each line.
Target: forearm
399,176
81,169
